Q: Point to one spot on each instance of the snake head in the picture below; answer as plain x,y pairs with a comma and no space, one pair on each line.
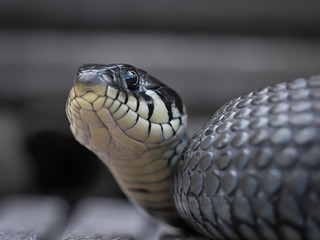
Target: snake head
97,77
119,111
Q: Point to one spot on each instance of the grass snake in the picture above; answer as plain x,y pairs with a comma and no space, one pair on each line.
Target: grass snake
251,172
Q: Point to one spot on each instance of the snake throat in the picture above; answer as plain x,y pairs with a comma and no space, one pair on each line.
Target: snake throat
136,130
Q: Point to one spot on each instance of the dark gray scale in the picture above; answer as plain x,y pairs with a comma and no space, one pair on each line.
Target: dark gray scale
253,170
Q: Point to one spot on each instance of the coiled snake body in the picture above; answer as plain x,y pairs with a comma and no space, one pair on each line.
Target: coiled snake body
251,172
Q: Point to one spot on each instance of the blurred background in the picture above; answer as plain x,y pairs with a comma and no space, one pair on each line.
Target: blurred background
208,51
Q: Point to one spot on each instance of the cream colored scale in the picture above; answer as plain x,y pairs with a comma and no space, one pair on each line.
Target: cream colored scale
140,153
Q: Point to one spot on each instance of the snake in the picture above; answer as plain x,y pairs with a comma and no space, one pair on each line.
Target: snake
251,171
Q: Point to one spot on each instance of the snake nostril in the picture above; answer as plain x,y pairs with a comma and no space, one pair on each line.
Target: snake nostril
89,78
90,81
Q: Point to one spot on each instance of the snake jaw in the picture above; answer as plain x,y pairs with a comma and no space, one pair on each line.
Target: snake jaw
104,124
98,130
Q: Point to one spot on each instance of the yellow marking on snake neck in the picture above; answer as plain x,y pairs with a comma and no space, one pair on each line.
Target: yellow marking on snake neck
91,118
84,104
122,110
140,130
72,94
100,138
115,106
128,120
112,92
132,103
122,139
160,112
175,123
122,96
74,110
80,124
90,97
108,102
143,110
167,131
155,135
98,103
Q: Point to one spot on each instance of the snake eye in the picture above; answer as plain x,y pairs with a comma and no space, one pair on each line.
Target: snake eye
132,80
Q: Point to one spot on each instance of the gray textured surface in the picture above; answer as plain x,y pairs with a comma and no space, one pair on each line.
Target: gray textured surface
253,172
26,217
32,217
109,219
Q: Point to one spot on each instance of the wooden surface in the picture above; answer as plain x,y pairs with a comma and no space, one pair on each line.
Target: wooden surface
49,218
31,217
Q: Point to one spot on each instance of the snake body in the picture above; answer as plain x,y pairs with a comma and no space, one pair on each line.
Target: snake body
251,172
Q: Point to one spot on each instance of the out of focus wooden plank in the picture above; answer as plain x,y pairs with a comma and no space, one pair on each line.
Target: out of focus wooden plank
205,70
294,17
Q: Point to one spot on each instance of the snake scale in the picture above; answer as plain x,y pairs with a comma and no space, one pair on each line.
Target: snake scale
251,172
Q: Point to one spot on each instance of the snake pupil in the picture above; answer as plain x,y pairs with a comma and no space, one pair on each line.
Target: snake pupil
132,80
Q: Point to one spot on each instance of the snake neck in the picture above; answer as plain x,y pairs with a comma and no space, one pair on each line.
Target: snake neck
136,130
146,180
